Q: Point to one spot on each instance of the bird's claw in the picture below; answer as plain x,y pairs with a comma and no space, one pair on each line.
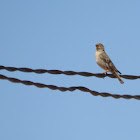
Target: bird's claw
105,73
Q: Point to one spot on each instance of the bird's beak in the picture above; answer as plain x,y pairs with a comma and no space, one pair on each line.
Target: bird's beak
97,46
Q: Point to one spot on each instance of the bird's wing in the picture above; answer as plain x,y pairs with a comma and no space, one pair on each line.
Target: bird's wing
109,64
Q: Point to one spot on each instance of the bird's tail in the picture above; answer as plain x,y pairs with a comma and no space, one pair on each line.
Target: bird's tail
119,78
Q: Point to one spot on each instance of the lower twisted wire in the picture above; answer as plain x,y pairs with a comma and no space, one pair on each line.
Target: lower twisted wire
84,89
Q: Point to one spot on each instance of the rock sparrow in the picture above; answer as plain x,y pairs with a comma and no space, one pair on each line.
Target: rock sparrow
103,60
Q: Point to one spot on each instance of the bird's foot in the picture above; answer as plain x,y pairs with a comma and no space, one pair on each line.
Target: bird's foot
105,72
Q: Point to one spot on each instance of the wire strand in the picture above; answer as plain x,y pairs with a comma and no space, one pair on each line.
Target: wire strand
87,74
84,89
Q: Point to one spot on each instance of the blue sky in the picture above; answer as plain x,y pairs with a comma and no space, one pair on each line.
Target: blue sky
61,34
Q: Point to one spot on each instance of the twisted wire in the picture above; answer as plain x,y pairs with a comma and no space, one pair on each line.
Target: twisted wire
84,89
87,74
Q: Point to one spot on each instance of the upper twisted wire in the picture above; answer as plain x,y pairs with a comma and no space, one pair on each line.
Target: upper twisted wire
87,74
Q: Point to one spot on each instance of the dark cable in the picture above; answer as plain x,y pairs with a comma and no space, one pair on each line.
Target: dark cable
87,74
84,89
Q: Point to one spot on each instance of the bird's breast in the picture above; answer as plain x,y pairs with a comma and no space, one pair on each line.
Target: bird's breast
100,62
97,56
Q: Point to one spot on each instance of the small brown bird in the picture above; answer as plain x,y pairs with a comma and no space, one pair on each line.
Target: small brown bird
103,60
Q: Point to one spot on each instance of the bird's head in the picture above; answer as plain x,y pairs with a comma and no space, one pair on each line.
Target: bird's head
99,47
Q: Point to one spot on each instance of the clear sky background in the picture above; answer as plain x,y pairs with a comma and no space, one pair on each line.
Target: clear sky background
61,34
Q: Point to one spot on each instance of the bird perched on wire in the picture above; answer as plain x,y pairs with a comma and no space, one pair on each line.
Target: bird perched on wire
103,60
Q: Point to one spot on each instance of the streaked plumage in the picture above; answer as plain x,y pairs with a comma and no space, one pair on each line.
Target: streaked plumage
105,62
